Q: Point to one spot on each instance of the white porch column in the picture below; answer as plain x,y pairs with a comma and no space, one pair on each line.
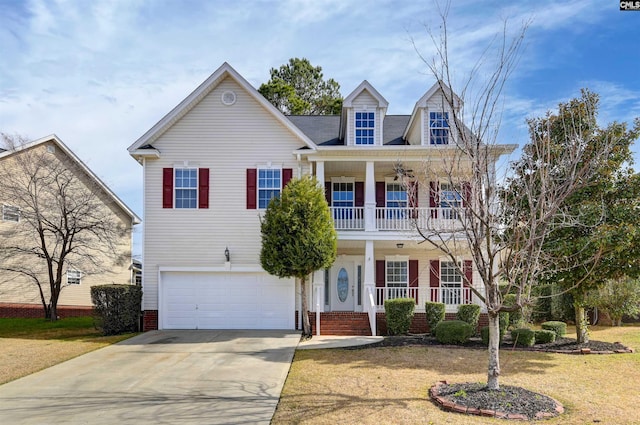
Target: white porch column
370,199
370,284
320,172
318,296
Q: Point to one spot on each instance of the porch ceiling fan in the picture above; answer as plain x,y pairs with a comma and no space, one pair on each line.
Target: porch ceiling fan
401,171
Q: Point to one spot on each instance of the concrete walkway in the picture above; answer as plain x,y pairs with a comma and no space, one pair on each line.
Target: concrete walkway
160,377
332,341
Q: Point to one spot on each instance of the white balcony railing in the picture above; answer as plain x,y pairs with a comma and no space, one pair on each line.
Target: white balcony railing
397,219
450,296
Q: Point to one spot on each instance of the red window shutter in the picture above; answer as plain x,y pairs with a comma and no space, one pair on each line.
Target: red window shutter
287,174
380,280
327,192
433,198
167,188
466,194
468,279
380,194
359,195
413,276
251,188
203,188
434,278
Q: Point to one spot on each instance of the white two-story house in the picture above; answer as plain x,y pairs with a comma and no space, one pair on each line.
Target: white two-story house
212,164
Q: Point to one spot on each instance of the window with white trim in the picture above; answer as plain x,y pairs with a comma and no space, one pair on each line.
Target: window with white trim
365,128
450,201
450,283
342,199
10,213
186,187
269,185
74,277
439,128
396,200
397,278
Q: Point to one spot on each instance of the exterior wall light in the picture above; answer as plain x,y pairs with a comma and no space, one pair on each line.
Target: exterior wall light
400,245
226,254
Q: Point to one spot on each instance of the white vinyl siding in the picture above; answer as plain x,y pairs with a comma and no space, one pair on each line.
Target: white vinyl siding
214,136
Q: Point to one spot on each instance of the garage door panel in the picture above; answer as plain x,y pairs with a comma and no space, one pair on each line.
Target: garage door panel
226,301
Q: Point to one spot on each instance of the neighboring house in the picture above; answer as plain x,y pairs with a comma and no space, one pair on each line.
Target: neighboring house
19,297
212,164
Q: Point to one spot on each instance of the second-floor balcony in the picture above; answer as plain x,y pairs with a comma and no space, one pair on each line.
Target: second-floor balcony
404,219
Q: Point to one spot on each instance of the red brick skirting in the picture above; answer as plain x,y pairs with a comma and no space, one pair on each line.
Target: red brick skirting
149,320
35,311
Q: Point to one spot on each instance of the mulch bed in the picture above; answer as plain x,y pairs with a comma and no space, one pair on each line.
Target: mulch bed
561,345
509,402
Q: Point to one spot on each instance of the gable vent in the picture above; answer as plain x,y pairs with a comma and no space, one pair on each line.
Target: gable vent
228,98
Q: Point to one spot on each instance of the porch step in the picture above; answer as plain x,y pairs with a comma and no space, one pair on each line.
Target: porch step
341,323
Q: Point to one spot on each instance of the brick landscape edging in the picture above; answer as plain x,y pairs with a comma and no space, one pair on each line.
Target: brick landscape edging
450,406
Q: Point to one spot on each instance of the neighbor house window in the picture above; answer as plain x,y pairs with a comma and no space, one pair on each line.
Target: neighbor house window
439,128
10,213
186,187
73,277
451,283
365,128
269,185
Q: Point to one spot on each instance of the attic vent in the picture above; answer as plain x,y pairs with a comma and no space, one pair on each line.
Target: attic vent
228,98
51,148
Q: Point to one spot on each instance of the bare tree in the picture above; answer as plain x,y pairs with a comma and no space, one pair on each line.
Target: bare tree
504,240
64,221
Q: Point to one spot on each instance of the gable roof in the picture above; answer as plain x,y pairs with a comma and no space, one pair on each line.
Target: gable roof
142,146
54,139
365,86
422,102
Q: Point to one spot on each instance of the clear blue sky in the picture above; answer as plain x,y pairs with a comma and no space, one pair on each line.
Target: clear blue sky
100,73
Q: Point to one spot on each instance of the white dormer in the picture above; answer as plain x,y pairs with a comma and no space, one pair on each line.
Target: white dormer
363,114
432,121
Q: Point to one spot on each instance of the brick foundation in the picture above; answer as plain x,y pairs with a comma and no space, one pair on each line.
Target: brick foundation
149,320
354,323
35,311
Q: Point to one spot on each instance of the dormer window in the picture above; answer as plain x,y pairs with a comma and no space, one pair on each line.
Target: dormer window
365,128
439,128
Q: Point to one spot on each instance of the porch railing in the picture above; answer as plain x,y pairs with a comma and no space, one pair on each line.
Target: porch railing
451,297
397,219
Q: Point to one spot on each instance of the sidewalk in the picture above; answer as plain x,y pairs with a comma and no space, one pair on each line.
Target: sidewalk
334,341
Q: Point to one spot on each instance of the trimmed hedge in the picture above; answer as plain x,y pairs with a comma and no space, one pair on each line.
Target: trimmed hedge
560,328
469,313
116,308
544,336
435,314
399,313
454,332
523,337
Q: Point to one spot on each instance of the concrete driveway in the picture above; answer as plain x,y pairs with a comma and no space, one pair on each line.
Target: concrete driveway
160,377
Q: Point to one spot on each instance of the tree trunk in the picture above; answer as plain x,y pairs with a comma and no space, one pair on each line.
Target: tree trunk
582,330
306,324
494,352
53,312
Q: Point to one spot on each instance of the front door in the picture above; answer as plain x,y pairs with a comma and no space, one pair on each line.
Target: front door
343,285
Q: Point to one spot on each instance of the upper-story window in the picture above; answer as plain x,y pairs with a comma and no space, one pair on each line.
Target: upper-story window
186,187
365,128
10,213
439,128
450,200
74,277
269,185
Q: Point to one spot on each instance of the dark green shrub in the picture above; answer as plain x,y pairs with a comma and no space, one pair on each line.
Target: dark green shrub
516,318
562,306
435,314
484,333
503,317
560,328
453,332
523,337
544,336
469,313
399,312
542,307
116,308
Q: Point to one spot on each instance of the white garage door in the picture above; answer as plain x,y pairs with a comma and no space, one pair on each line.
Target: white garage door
226,301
